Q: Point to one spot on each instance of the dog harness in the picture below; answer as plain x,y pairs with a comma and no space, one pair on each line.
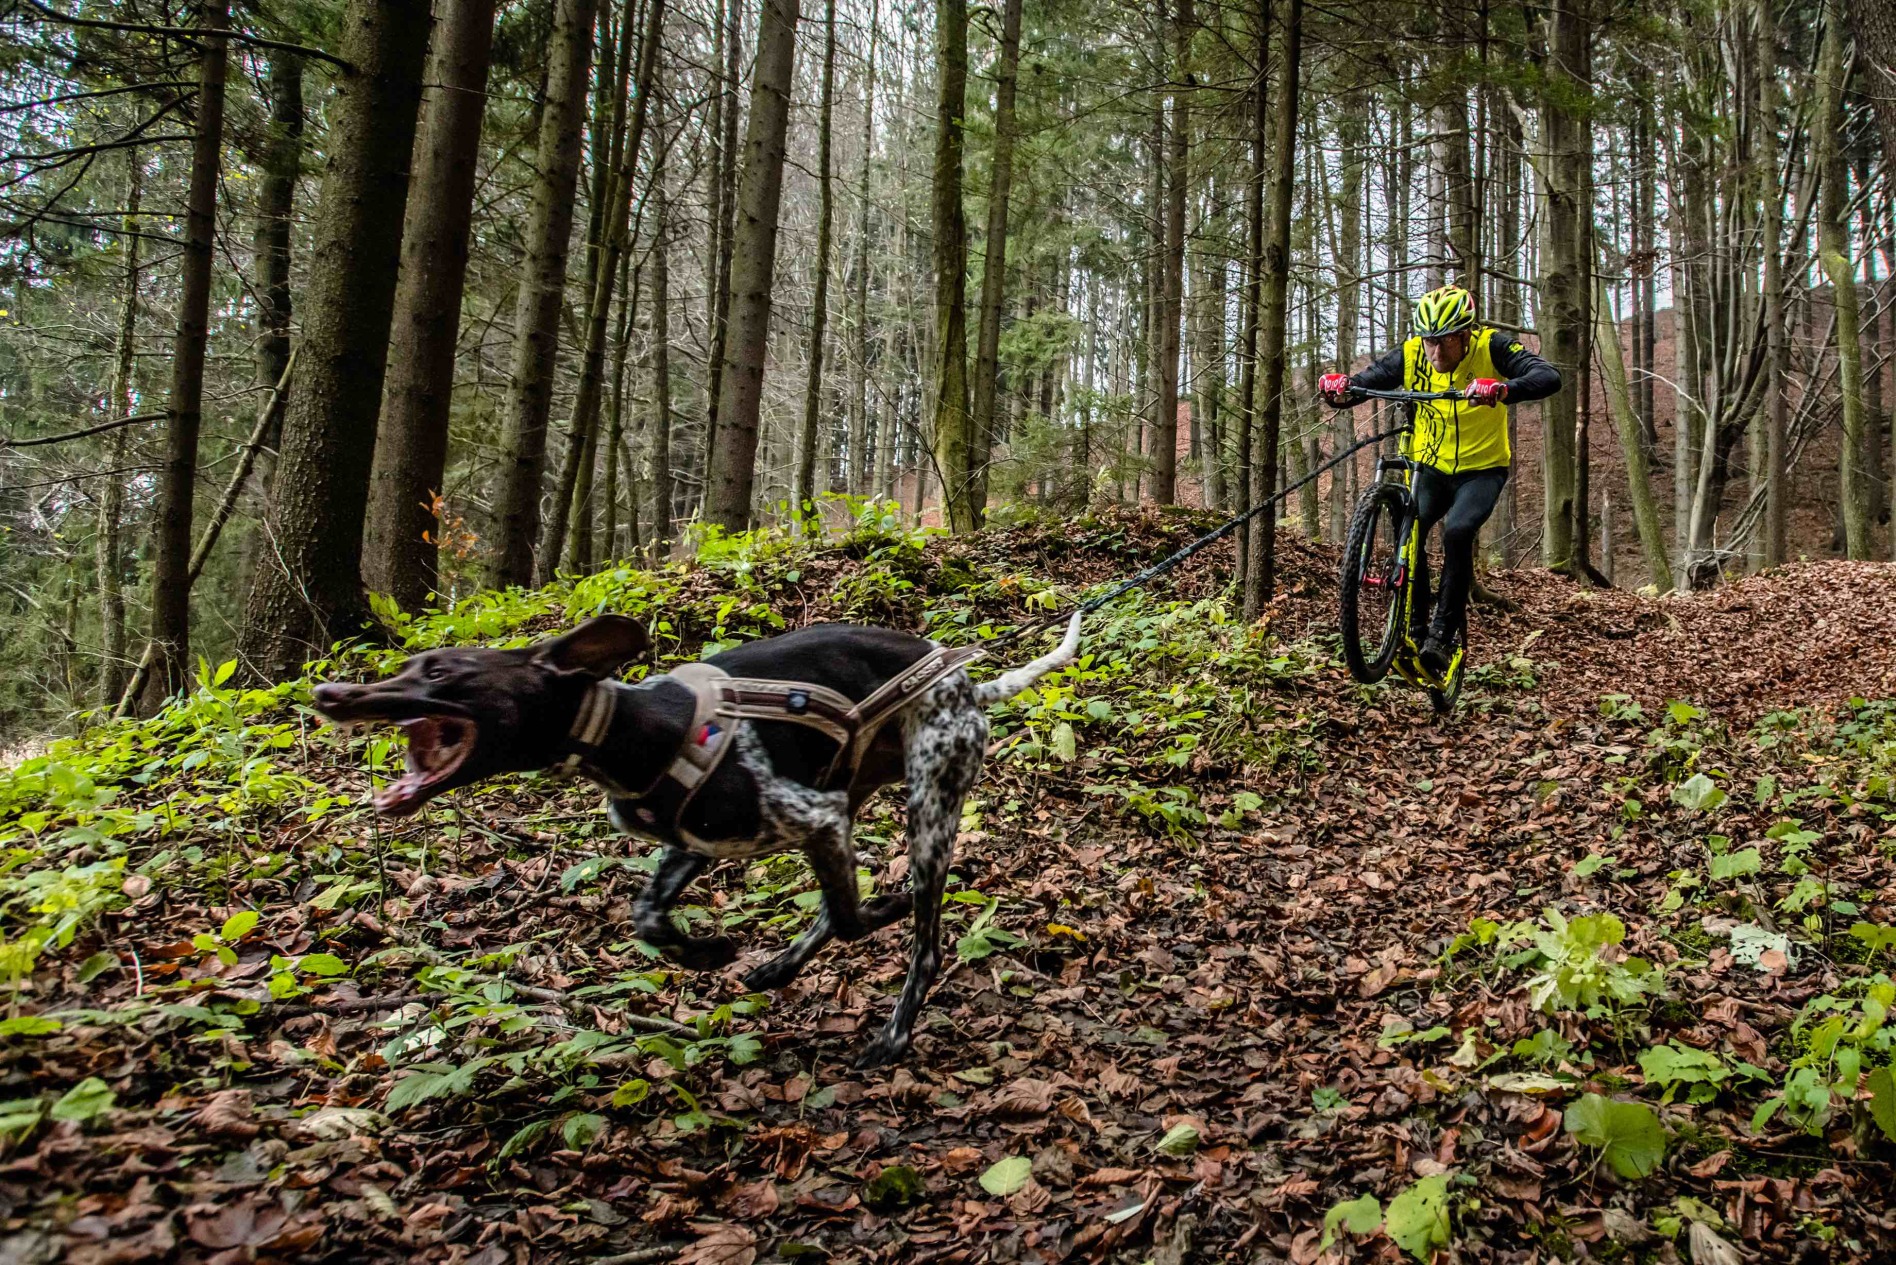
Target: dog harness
720,700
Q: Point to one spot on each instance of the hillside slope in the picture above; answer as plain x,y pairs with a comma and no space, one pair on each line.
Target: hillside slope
1237,942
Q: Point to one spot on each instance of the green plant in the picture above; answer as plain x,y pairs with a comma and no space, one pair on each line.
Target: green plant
1577,964
1628,1135
1844,1041
1417,1220
1173,807
982,938
223,942
1700,1073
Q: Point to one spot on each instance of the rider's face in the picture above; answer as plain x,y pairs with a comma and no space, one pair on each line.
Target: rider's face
1446,352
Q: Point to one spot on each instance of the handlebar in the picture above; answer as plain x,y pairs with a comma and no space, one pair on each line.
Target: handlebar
1407,396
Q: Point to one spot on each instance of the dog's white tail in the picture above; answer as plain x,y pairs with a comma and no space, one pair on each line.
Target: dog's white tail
1008,684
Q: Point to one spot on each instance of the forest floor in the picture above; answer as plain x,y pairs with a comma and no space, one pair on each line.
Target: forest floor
1239,947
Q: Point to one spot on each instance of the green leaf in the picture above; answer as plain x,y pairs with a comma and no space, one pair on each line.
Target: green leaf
238,925
897,1186
96,965
1882,1084
1737,864
29,1026
1698,793
89,1098
1671,1065
1180,1140
1592,864
322,964
524,1137
1628,1133
1877,938
431,1080
1358,1216
20,1115
1004,1177
581,1128
1064,744
1418,1218
631,1092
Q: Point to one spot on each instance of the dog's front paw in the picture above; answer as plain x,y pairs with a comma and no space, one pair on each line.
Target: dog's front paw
771,976
706,953
881,1052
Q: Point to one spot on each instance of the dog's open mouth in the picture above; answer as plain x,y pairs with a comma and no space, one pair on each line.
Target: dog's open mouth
437,747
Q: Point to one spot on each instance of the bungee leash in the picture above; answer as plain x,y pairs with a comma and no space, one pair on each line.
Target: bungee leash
1212,537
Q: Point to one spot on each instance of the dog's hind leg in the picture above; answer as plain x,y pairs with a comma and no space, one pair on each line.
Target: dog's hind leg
651,917
945,739
818,822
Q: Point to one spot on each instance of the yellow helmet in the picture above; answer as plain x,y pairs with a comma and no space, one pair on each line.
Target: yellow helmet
1444,311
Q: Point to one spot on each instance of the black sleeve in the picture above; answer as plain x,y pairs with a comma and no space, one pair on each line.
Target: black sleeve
1529,377
1385,374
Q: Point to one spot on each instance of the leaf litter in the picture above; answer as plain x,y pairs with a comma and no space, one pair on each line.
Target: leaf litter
1220,987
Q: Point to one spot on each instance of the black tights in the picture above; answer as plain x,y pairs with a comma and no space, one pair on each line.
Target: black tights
1461,503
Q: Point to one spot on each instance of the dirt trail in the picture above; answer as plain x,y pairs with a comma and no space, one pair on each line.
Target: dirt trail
1181,1031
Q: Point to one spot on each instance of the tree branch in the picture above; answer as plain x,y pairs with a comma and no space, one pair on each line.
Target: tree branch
187,32
100,429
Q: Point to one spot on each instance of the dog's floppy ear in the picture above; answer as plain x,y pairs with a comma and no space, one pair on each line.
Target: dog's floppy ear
598,648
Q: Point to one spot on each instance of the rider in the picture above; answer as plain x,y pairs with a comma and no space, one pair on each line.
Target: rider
1461,448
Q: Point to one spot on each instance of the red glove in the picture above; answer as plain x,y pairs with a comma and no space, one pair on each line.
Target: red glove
1486,391
1335,389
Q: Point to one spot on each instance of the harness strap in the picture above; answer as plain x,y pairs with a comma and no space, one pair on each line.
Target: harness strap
705,741
589,725
719,699
894,693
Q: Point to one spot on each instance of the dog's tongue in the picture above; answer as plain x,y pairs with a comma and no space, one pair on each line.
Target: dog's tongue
403,795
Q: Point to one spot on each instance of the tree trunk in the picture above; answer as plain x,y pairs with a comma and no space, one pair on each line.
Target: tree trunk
612,73
1687,412
1249,302
664,503
1833,237
308,590
1273,298
1652,540
753,266
1208,369
1874,25
723,226
1771,195
281,162
542,286
118,403
994,264
1172,275
1463,232
803,496
402,539
1568,145
954,440
1349,266
860,481
573,494
615,430
177,481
